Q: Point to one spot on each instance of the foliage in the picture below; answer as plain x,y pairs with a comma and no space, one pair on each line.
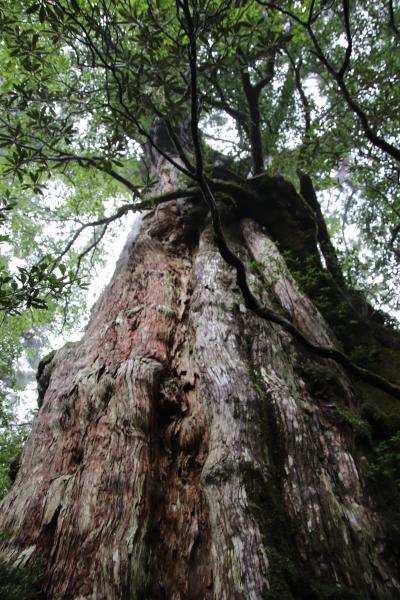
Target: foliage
386,460
17,338
11,444
360,427
20,582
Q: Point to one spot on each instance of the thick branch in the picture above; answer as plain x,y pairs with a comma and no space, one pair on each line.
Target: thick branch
392,22
252,96
308,192
305,104
349,48
223,104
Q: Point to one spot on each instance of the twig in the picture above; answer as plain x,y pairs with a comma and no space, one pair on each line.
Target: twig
123,210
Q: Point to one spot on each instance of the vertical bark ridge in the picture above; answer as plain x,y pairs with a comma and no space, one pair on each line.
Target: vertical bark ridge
239,558
337,532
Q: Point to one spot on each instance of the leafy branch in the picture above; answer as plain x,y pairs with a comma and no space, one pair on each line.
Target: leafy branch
339,74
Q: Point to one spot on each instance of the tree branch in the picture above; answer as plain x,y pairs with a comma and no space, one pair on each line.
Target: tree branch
392,22
304,101
241,276
349,48
252,95
91,246
370,134
111,67
328,250
123,210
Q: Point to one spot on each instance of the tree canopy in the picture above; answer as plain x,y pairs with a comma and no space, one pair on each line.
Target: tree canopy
306,90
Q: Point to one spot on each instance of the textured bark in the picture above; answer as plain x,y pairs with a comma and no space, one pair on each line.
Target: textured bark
180,451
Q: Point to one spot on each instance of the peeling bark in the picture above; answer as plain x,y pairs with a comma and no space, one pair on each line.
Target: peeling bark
180,451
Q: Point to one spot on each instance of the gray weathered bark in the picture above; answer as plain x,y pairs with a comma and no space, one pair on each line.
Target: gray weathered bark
179,451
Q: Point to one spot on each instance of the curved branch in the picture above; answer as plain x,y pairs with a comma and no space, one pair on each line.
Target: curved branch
304,100
349,48
91,246
230,257
123,210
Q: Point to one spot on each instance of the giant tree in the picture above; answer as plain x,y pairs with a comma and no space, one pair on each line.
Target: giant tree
224,426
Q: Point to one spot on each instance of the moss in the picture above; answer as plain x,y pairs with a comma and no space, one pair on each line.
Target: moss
368,340
383,423
288,581
352,319
386,494
140,575
382,412
335,592
276,527
386,459
21,583
170,400
105,391
266,284
321,381
360,427
288,576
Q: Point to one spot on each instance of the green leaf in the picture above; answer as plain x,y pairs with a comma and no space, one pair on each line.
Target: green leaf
42,13
33,8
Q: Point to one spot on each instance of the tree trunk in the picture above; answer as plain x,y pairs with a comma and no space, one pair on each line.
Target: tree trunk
183,448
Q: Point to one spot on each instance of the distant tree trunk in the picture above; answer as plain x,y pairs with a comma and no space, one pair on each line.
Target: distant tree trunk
186,449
